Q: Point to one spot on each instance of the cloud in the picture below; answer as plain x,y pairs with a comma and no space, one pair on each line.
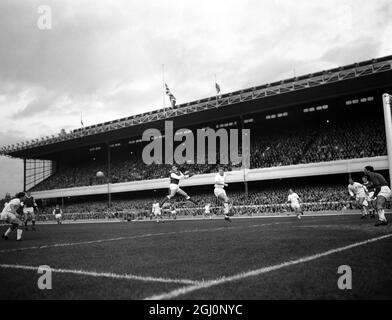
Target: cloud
355,51
39,105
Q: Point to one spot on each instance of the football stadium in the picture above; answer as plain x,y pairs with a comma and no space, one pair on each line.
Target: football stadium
310,134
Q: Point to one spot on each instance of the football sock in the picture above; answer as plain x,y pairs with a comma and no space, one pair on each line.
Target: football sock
164,200
191,200
381,215
7,233
226,208
19,234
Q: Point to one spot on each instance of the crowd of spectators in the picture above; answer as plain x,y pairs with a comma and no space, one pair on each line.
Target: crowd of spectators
282,148
269,148
262,201
349,140
265,201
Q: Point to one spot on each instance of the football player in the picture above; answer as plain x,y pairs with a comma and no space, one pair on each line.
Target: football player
174,188
207,210
358,192
29,209
369,196
381,195
156,210
10,215
58,214
220,193
294,199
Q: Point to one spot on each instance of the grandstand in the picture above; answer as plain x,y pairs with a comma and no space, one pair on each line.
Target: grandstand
308,133
325,124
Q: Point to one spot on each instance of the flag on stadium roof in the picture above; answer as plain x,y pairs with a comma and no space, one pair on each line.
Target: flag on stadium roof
172,98
81,120
217,87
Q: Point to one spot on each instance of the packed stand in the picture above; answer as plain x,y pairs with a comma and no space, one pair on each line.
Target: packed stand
290,146
261,202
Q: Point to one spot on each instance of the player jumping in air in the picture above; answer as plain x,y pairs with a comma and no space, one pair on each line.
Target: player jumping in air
369,196
382,193
220,193
358,191
29,208
10,215
175,177
294,199
58,213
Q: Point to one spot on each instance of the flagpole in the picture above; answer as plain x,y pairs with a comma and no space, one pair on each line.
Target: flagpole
82,123
216,95
163,88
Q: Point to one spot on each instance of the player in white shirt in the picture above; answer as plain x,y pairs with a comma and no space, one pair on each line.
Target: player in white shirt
173,212
207,210
295,206
358,191
220,193
156,210
174,187
10,215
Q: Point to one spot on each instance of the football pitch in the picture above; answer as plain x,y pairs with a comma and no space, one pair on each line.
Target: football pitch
255,258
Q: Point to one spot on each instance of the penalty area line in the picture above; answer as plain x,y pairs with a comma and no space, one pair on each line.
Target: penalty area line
96,274
212,283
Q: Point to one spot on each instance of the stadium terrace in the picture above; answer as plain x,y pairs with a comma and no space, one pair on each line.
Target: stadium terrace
184,153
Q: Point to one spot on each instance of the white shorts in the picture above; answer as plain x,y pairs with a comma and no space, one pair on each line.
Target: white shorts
8,217
370,196
295,206
174,187
58,216
28,210
219,192
385,192
157,213
361,194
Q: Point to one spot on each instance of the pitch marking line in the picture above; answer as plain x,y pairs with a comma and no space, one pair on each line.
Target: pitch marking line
102,274
212,283
148,235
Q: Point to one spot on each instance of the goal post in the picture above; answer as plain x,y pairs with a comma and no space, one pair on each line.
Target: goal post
387,99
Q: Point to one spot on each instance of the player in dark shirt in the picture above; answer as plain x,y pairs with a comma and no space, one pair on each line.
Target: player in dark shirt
29,209
175,177
382,193
370,195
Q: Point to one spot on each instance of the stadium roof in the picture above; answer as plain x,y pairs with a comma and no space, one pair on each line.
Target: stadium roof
350,79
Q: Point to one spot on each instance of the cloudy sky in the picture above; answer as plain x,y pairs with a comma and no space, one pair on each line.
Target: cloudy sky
104,58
